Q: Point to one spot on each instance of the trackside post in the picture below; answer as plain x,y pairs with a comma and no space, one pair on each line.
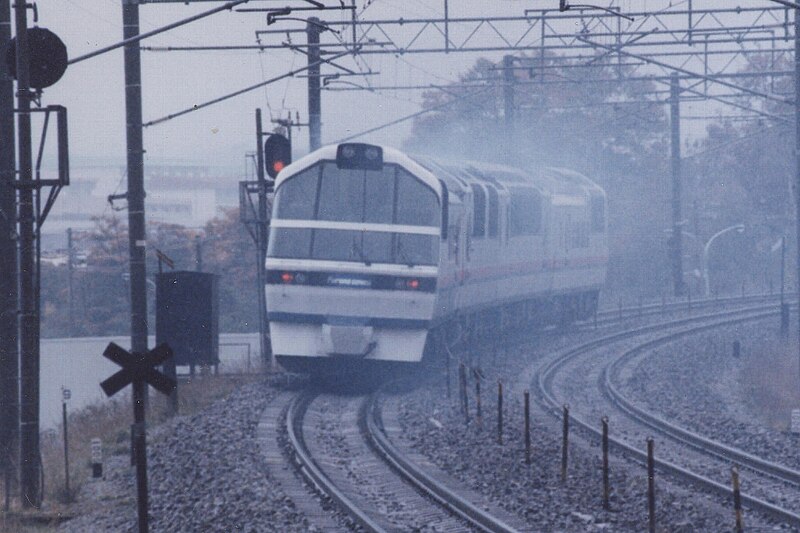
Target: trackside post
651,486
499,412
527,427
606,491
565,443
737,500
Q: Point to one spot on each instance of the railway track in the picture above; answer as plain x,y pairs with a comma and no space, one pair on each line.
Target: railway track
686,455
339,445
343,450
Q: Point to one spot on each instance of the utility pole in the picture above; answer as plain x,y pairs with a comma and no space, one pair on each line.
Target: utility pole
313,29
136,237
70,270
262,236
677,237
508,105
31,493
9,273
797,141
135,159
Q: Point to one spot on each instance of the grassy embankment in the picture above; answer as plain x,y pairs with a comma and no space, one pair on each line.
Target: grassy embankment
110,421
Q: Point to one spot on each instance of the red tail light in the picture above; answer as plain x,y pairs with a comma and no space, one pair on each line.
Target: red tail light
287,277
412,284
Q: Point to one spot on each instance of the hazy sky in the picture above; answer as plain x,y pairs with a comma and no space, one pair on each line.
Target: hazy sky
93,90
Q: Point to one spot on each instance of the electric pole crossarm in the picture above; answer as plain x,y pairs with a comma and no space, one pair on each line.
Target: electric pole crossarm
332,63
690,73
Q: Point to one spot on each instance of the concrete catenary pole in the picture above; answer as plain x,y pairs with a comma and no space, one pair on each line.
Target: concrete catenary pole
676,251
9,273
313,29
137,244
797,142
135,195
30,487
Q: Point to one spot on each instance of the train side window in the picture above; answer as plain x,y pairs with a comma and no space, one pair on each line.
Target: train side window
598,214
525,212
479,211
494,212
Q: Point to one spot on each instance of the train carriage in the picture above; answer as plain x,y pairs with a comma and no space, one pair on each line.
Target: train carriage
371,249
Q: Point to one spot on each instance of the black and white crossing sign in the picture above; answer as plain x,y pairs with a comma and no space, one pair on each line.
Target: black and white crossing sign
138,370
138,367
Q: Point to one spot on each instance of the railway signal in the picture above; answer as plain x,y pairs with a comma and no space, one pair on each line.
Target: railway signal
47,57
277,154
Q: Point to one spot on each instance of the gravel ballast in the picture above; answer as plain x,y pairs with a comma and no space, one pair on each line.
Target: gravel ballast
205,474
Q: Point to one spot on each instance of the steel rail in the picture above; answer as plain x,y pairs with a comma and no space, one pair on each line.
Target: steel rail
445,497
312,472
547,399
610,315
678,433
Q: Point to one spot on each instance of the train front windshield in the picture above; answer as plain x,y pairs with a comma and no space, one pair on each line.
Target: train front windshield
326,193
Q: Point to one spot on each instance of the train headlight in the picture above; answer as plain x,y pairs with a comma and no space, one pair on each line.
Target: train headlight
359,156
372,153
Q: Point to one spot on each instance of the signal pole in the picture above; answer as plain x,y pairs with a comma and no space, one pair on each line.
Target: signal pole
262,236
677,240
313,29
9,333
28,321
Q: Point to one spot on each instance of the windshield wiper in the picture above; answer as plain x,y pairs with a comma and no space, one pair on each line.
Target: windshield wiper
357,249
402,254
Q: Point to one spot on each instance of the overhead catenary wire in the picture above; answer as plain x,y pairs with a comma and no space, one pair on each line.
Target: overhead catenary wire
141,36
413,115
234,94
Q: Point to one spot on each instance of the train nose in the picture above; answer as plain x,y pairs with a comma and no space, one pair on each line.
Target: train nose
347,340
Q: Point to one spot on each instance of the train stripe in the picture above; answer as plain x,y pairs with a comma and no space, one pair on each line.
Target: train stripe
340,320
355,226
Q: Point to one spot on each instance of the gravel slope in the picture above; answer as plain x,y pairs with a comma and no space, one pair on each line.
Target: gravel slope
206,474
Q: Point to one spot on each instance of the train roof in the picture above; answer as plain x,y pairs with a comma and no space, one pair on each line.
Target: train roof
458,175
390,155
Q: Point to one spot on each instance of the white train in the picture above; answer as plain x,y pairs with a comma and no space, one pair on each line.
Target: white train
371,250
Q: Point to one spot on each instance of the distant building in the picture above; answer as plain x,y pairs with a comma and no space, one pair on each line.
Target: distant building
176,194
